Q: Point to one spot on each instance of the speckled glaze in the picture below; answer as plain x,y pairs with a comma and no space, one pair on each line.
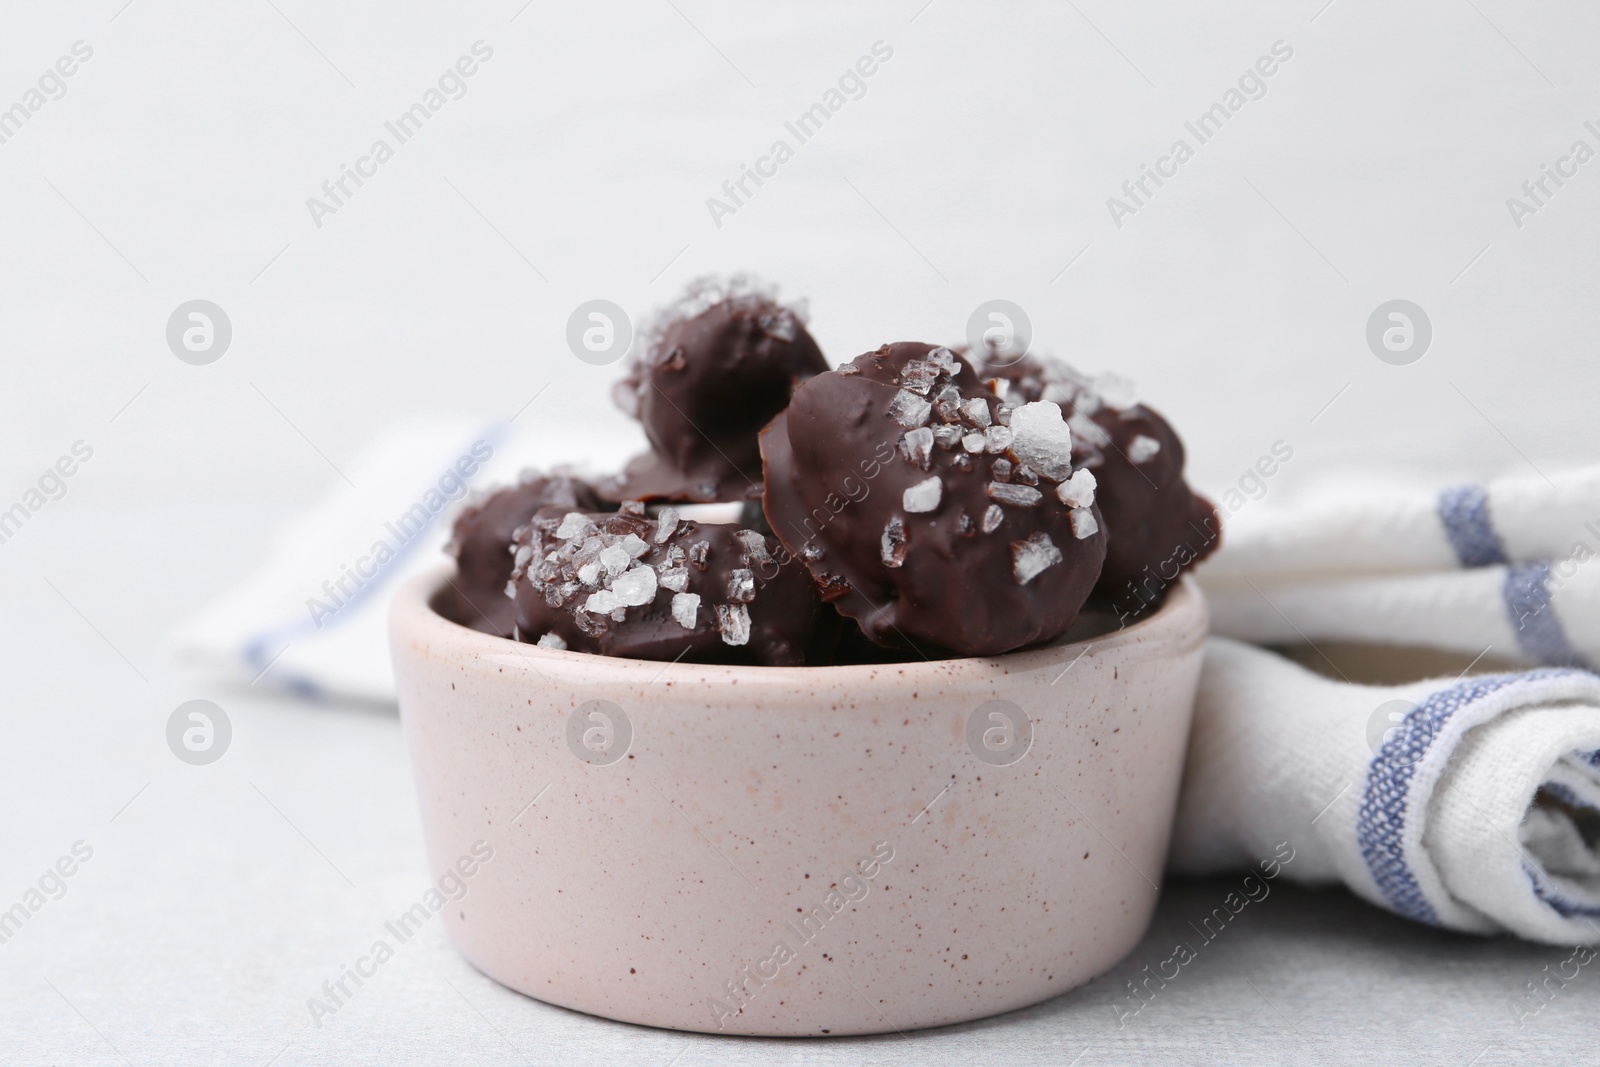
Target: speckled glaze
729,872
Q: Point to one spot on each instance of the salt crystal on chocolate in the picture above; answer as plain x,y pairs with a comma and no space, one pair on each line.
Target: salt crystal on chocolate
917,447
918,377
666,523
909,409
574,525
1041,439
779,325
922,497
1017,496
1077,491
996,439
976,412
755,546
973,442
685,606
1142,449
551,641
615,560
992,518
741,585
1083,524
943,360
733,622
1032,556
893,543
636,587
602,602
1088,429
1116,391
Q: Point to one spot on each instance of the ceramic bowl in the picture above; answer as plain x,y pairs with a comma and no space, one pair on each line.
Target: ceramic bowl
797,851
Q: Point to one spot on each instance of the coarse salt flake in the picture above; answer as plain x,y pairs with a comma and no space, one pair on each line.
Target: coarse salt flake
1116,391
1142,449
1077,491
996,439
615,560
755,546
1041,439
666,522
923,497
573,526
917,447
909,409
918,377
685,606
741,585
1083,524
892,545
1017,496
733,622
1032,556
636,587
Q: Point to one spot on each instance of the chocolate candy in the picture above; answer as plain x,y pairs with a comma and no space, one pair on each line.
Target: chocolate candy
717,366
624,584
1157,526
481,545
938,518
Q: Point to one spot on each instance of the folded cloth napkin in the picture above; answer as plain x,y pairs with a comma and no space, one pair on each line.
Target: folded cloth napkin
313,617
1468,803
1509,567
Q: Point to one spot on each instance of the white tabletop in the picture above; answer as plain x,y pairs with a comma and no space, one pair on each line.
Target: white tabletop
177,162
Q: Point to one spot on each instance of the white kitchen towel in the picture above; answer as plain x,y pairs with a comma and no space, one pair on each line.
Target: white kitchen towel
1468,803
1512,568
313,617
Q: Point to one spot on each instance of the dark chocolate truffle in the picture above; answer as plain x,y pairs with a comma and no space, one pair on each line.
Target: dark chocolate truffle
623,584
716,367
1156,525
938,518
481,545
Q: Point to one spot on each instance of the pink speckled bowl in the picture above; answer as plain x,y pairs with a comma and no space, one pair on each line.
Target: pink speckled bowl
798,851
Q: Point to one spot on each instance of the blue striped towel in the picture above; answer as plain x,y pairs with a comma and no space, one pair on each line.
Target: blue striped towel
1470,802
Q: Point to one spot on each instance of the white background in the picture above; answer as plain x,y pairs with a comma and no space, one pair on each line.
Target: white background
977,165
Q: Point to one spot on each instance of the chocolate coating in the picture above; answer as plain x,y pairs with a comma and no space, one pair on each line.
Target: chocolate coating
481,544
1157,525
869,483
714,371
619,586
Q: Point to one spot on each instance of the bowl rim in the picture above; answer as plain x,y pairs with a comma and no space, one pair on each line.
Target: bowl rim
1180,624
